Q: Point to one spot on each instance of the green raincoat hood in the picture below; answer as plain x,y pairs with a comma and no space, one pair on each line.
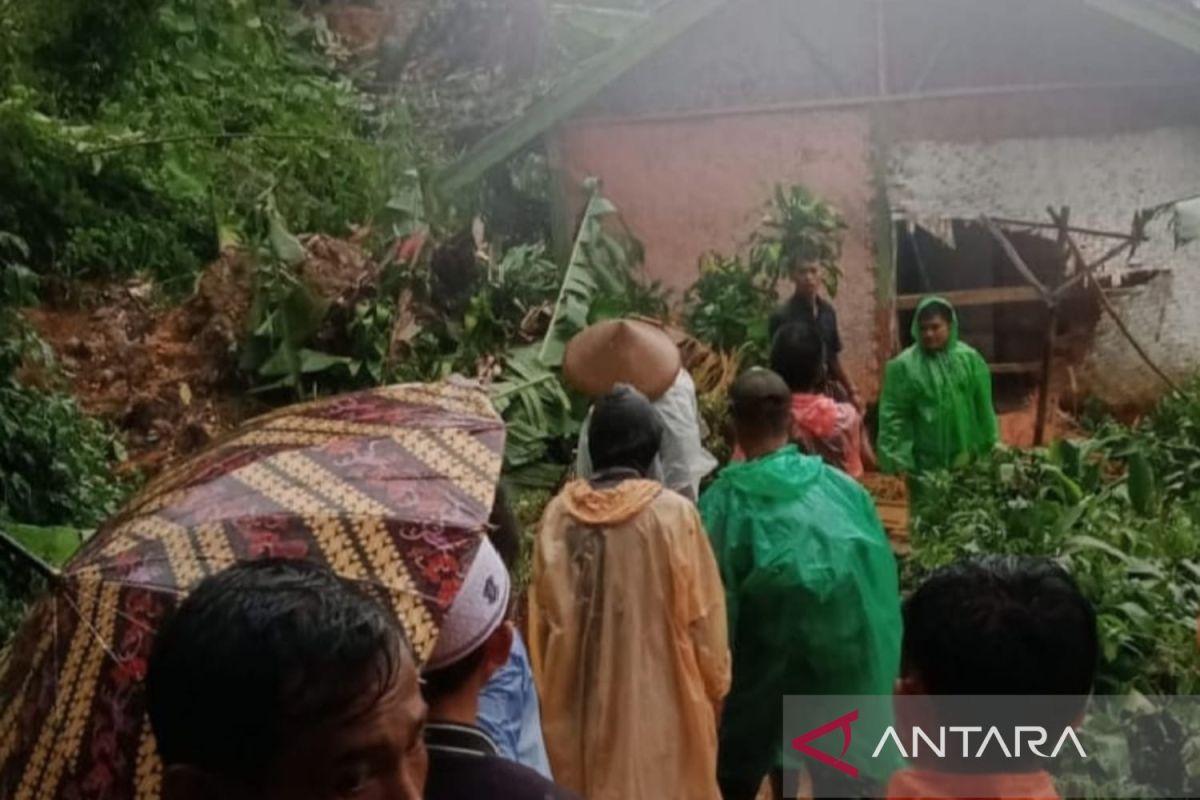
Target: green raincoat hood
936,409
928,302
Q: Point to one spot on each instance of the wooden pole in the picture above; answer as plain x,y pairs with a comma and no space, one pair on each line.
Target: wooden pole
1107,305
1043,406
1049,298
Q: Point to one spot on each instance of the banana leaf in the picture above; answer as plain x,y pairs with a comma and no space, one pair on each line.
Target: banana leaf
597,263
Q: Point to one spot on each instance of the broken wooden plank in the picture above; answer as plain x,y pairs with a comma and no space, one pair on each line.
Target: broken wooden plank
988,296
1011,251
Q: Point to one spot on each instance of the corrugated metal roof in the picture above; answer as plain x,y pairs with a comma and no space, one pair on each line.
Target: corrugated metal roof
1176,21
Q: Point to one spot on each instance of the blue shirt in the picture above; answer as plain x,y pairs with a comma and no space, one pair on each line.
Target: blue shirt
509,712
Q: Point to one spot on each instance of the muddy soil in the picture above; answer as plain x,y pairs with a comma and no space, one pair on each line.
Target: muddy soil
166,376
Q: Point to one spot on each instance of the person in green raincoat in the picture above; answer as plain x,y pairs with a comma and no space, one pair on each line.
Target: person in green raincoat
811,590
936,409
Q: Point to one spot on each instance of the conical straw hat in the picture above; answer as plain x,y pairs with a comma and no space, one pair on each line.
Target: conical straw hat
621,351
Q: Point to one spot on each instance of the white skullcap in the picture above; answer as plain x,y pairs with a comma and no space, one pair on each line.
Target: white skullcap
477,611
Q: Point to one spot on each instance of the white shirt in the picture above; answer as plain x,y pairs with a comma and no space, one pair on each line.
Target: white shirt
682,461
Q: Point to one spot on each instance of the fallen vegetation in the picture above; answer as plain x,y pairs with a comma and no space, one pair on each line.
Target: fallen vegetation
1120,510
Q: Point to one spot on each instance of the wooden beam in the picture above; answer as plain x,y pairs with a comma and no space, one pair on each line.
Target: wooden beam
1011,251
1020,223
990,296
582,85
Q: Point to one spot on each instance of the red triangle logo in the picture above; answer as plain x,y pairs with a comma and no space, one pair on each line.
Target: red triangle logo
842,723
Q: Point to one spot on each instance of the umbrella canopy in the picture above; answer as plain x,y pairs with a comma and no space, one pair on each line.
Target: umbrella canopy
391,488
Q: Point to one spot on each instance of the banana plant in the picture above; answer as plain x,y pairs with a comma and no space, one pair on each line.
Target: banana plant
598,263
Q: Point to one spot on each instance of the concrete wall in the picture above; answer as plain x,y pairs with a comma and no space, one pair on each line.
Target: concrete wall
1104,178
692,186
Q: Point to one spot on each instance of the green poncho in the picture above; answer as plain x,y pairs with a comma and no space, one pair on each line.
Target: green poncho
811,596
936,410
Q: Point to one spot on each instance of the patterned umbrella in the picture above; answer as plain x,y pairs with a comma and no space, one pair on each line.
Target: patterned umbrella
390,488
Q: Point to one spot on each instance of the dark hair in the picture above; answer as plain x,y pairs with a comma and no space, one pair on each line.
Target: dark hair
1001,626
262,649
449,679
798,356
504,530
761,403
625,431
936,309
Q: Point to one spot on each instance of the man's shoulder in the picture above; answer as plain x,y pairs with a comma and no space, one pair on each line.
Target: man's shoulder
454,775
672,504
968,351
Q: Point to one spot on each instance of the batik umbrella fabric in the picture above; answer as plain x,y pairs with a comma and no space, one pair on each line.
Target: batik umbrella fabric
391,488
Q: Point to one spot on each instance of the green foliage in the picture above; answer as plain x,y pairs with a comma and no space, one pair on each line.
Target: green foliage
18,283
539,415
53,545
600,279
141,135
1121,511
82,220
800,228
55,461
729,306
527,506
285,316
599,265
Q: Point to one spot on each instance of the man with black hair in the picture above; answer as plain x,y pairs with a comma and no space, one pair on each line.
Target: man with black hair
936,409
810,584
464,762
807,308
1010,626
278,679
627,623
820,425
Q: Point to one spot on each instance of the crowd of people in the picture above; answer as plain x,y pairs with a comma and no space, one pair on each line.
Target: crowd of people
665,624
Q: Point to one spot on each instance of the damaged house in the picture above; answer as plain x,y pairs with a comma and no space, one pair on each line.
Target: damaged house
917,118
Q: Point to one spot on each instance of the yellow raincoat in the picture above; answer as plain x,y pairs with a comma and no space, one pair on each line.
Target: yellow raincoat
628,642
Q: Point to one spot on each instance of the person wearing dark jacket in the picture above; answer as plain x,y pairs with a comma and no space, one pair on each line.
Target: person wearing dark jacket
476,636
807,308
